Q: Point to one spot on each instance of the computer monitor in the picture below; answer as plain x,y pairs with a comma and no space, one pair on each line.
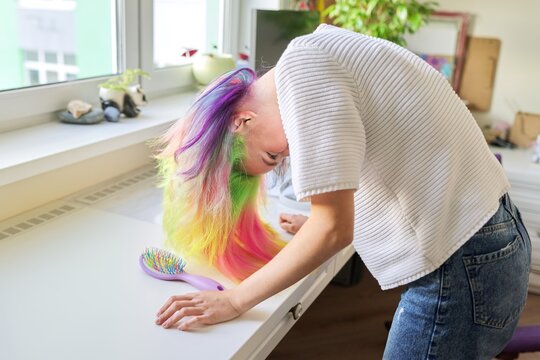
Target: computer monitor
272,30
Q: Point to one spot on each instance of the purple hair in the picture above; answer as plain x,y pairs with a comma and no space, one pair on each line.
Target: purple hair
209,125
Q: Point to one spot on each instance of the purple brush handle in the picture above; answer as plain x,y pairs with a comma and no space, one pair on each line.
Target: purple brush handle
200,282
197,281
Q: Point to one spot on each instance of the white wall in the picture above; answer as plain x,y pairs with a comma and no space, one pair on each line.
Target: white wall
516,24
38,190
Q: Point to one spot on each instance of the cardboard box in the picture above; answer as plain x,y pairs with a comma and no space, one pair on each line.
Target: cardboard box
478,77
525,129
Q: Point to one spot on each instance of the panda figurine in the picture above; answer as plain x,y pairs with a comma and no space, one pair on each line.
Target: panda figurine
116,102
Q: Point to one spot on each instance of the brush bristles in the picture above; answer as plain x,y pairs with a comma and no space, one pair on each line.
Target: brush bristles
163,261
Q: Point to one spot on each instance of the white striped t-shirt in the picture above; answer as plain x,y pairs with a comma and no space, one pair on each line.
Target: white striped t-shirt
363,113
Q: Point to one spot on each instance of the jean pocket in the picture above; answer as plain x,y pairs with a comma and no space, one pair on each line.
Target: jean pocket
498,282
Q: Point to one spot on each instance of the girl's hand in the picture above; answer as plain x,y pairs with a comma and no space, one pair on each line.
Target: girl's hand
328,230
291,223
205,307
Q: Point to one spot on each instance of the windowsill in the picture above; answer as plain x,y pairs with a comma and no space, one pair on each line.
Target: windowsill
38,149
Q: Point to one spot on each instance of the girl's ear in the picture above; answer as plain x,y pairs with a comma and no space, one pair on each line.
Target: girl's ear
240,121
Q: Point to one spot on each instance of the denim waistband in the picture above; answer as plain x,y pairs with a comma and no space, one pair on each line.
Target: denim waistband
508,203
505,199
506,213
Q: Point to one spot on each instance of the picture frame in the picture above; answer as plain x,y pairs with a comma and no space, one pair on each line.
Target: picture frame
442,43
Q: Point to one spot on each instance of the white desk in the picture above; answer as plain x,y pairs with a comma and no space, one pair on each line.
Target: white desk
71,287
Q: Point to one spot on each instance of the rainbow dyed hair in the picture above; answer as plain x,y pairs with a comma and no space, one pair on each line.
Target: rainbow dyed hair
210,205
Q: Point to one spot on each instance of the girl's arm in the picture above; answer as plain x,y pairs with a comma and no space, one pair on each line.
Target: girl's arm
328,230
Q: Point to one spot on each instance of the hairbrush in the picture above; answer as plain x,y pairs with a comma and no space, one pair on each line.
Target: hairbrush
164,265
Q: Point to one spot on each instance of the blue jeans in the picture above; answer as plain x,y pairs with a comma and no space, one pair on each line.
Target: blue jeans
470,306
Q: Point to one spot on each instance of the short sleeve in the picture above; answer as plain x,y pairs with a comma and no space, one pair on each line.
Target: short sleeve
318,103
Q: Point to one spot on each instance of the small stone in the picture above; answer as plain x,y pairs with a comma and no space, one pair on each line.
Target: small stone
111,114
93,117
77,108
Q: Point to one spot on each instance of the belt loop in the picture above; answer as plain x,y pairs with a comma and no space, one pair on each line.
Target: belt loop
505,199
509,207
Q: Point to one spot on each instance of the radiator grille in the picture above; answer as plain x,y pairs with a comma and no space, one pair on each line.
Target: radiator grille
106,191
25,222
30,220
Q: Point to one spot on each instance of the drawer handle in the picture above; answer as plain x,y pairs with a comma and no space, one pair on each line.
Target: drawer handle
296,311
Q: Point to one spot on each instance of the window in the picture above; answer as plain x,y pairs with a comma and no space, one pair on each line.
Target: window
33,77
69,59
44,40
51,57
171,29
48,67
175,41
30,55
54,51
52,76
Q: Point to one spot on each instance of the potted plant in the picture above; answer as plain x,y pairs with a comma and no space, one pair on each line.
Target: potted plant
118,96
208,66
386,19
